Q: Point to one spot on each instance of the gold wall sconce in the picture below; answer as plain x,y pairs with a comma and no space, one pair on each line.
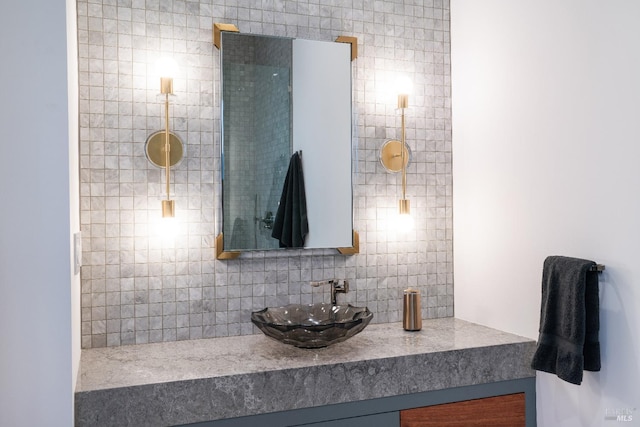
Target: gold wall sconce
395,155
164,148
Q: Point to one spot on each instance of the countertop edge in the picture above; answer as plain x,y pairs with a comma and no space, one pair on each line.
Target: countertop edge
220,397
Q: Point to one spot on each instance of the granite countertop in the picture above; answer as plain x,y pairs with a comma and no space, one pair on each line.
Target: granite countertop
199,380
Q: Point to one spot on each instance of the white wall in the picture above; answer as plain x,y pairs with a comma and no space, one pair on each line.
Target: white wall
546,129
38,355
74,180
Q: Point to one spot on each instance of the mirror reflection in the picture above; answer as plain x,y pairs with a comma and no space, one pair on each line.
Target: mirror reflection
282,96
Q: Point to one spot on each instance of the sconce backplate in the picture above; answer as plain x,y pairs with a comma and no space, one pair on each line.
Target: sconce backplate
154,149
391,156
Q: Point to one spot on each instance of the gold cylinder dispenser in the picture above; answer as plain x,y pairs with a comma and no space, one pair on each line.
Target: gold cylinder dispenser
412,313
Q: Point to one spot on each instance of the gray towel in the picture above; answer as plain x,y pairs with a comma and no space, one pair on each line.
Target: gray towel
290,226
569,319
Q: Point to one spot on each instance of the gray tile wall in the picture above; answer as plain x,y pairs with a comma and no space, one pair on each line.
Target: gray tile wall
140,286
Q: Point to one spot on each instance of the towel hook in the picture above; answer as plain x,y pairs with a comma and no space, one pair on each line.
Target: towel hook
599,268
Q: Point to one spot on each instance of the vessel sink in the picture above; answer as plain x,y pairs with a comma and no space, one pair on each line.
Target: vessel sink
313,325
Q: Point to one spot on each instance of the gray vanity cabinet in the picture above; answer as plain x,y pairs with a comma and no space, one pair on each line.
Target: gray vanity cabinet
387,419
502,404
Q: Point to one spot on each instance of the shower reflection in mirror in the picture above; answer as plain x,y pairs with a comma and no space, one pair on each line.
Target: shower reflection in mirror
257,139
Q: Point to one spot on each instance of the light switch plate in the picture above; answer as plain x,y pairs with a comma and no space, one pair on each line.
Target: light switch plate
77,252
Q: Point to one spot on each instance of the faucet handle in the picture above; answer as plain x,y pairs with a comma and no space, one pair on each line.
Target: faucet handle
336,287
342,288
316,283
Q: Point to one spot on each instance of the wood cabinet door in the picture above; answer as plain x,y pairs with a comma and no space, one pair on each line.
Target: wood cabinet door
499,411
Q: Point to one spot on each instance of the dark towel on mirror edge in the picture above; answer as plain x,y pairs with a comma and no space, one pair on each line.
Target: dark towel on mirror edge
290,226
569,319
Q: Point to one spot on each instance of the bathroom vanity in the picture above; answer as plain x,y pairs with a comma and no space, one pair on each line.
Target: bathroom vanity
371,379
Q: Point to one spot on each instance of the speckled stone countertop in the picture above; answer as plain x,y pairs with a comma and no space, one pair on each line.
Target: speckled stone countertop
199,380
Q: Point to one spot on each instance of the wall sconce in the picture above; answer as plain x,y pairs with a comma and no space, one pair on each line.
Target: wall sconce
394,156
164,148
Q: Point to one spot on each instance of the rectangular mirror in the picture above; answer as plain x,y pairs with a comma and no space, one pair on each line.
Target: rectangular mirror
282,96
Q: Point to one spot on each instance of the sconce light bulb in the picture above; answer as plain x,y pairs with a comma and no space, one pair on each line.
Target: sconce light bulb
167,229
404,221
166,68
403,85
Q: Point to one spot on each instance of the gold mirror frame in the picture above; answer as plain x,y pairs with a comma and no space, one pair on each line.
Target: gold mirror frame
221,254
